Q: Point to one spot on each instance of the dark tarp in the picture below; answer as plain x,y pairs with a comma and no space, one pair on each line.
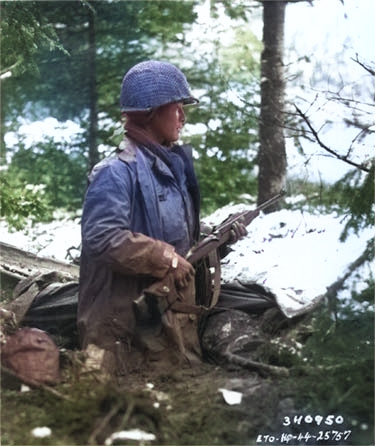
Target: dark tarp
49,302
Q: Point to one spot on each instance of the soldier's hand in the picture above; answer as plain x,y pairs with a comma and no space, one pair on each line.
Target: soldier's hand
182,271
238,231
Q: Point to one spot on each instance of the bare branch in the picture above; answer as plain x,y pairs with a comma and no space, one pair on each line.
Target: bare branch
363,65
315,134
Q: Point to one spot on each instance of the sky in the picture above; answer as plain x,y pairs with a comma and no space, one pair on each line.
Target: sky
328,24
322,32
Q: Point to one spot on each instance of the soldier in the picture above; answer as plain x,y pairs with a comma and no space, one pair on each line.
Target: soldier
140,218
140,215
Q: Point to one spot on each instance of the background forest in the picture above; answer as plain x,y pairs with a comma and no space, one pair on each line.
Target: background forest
271,116
66,60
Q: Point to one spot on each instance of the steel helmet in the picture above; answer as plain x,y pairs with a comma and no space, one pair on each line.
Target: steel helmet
151,84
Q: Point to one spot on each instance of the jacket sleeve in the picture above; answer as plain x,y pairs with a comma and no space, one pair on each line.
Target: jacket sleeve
106,223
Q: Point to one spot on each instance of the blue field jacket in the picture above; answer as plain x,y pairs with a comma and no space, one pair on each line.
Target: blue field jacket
137,212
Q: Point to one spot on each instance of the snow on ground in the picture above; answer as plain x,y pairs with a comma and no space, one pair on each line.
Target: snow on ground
294,254
51,240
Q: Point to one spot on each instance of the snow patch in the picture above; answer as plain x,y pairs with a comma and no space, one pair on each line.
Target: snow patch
294,254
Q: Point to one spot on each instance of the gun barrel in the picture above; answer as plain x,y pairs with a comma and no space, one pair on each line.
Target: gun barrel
272,200
222,234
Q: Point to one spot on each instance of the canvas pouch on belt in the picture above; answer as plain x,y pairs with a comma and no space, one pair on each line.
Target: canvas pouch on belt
167,322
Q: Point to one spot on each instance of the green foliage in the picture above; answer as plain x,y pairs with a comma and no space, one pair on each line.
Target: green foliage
367,294
227,150
127,32
235,9
223,182
352,196
340,361
164,19
24,31
356,192
62,172
40,179
240,58
21,202
122,38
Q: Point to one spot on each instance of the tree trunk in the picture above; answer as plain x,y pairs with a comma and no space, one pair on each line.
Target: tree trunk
272,156
93,94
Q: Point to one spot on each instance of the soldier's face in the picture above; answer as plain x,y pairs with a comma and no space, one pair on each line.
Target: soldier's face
167,122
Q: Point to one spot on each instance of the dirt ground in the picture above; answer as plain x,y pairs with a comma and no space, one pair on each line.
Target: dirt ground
197,412
278,397
188,406
185,407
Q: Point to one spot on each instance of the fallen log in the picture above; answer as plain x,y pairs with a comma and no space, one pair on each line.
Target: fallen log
19,264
